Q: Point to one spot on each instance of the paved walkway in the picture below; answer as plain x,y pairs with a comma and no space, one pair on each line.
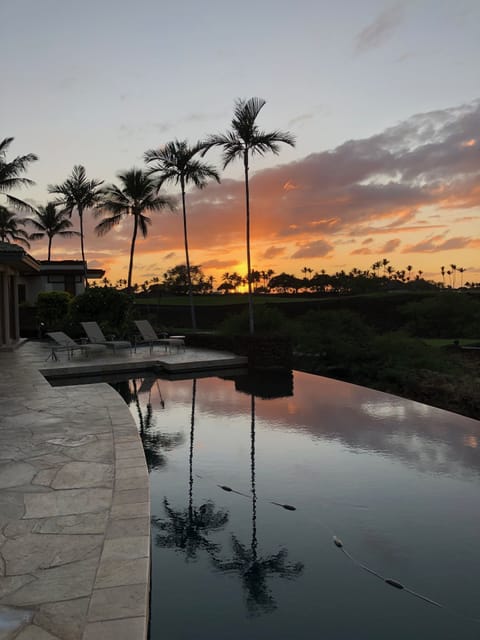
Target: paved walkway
74,499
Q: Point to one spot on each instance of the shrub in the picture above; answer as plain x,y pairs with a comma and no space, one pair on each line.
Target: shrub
53,308
338,336
269,321
112,309
445,315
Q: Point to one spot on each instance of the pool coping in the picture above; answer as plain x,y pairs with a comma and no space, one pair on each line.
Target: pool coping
76,472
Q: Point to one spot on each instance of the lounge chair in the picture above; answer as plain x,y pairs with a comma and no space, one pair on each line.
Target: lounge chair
95,336
67,344
149,336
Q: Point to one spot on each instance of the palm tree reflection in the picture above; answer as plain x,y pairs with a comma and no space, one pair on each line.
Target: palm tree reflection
154,442
188,529
253,569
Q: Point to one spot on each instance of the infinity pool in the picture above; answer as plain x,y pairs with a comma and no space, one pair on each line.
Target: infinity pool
251,479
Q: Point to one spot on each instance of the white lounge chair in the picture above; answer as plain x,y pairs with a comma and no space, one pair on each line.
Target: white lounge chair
149,337
96,336
63,342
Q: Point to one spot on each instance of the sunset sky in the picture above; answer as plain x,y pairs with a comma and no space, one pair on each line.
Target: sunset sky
382,97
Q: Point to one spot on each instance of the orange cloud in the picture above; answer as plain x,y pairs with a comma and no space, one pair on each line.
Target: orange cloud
384,184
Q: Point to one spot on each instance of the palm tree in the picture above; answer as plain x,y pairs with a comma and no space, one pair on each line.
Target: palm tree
454,271
77,192
245,139
10,174
154,442
175,162
10,228
136,196
187,529
50,222
253,568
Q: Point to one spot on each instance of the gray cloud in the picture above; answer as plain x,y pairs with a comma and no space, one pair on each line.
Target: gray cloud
379,29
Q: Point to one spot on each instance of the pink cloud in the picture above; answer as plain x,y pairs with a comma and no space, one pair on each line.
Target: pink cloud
390,246
273,252
438,243
317,249
377,185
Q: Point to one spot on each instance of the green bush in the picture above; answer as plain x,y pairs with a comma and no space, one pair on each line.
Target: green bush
112,309
53,309
449,314
268,321
340,338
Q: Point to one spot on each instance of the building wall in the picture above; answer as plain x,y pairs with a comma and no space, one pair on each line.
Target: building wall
9,322
39,283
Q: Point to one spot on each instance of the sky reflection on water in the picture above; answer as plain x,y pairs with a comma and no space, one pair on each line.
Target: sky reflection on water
397,481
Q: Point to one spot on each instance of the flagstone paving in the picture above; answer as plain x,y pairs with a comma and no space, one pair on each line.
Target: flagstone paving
74,498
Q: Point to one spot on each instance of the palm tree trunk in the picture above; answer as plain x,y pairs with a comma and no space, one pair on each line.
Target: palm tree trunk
190,456
187,258
132,250
252,476
49,247
249,265
80,215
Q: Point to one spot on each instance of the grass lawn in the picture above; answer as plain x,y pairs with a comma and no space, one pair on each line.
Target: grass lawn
219,301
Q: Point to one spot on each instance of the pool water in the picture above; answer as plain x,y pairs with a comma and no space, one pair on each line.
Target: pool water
251,479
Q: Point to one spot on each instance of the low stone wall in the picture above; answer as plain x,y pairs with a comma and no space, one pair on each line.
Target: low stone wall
263,352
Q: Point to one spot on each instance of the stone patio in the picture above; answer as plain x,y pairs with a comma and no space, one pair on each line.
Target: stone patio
74,496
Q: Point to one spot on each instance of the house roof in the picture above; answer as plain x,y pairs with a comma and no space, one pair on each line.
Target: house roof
17,258
68,267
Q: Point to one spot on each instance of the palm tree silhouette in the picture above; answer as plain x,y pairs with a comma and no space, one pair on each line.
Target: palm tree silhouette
80,193
187,529
50,222
253,569
154,443
11,174
11,227
245,139
135,197
175,162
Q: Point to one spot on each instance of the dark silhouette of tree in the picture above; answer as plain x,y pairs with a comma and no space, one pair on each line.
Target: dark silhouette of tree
245,139
80,193
254,569
453,267
11,228
136,197
11,175
285,283
176,162
175,280
188,529
50,222
154,443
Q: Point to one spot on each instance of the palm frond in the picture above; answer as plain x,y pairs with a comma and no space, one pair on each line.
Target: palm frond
37,236
107,224
21,205
144,222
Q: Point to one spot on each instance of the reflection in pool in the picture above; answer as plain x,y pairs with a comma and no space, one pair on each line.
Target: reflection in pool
252,478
